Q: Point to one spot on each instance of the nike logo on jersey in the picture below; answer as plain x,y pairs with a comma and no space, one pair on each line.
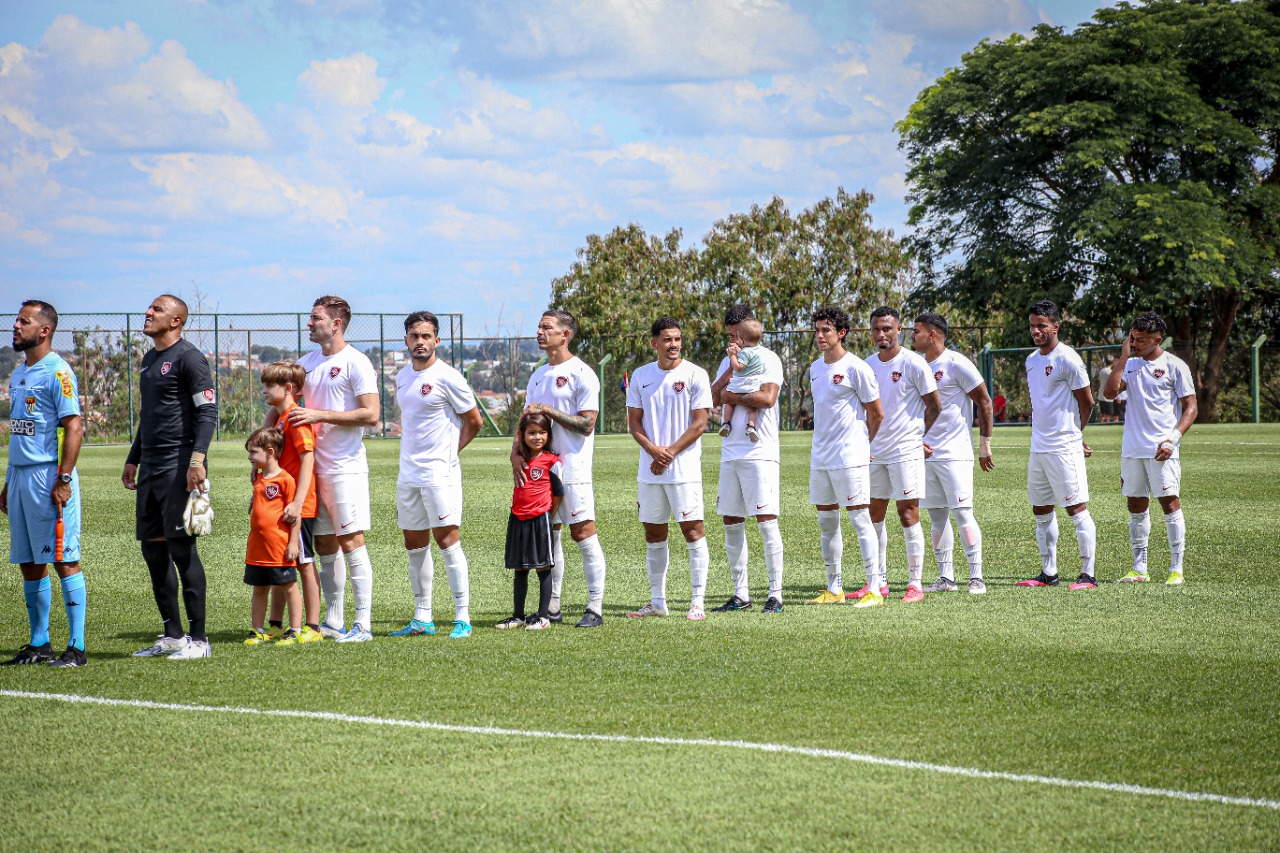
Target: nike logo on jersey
851,497
908,491
575,514
442,517
1165,488
646,385
686,514
761,506
348,524
961,500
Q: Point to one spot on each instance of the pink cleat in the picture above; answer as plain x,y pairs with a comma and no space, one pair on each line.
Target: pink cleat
914,593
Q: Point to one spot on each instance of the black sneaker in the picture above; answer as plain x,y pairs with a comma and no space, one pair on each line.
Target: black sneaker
773,605
31,654
555,616
71,657
590,619
1041,580
731,605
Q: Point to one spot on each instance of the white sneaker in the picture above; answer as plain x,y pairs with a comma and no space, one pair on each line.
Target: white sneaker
538,623
357,634
191,649
647,610
164,646
695,614
977,586
331,633
941,585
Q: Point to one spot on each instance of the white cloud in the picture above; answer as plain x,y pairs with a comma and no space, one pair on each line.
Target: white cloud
955,20
352,81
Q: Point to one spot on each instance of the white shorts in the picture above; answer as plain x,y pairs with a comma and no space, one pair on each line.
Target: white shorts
1140,478
577,505
1057,479
948,485
840,486
748,488
659,502
427,507
898,481
343,504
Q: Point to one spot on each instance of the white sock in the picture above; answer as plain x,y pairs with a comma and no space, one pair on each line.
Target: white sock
735,549
1175,527
557,568
593,571
1087,539
333,583
882,556
832,543
1047,541
455,566
699,560
772,556
868,544
914,536
361,572
970,540
1139,536
943,542
656,561
421,571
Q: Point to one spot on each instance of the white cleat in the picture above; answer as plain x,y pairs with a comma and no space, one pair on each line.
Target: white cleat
357,634
647,610
191,650
164,647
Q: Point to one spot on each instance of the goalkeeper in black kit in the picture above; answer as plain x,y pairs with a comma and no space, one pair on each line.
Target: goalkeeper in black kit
167,461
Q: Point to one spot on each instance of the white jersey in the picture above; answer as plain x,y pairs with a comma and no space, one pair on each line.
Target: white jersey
951,436
1055,415
570,387
737,445
333,384
1156,389
668,399
431,401
903,380
840,390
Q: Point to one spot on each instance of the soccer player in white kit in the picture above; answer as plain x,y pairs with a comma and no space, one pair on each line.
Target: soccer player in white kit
909,396
340,399
668,406
1162,407
566,390
750,476
949,468
1061,400
438,418
846,417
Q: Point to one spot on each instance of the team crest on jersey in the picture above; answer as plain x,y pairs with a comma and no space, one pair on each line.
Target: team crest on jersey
31,405
426,388
896,375
64,379
1048,368
165,368
535,474
837,379
272,491
334,371
208,394
678,386
562,381
937,376
1157,373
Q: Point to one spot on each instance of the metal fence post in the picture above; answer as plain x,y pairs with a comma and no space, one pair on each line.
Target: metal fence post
217,376
128,360
600,373
298,354
1255,379
987,365
382,378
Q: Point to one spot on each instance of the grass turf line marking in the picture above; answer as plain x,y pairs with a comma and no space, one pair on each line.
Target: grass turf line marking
900,763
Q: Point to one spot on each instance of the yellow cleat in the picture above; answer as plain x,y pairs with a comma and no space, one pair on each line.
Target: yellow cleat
1175,579
309,635
827,597
288,638
871,599
257,638
1134,576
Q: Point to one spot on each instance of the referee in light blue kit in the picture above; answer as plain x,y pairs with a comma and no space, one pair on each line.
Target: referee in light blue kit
41,492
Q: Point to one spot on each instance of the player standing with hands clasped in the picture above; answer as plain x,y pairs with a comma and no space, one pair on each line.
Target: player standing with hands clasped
1162,407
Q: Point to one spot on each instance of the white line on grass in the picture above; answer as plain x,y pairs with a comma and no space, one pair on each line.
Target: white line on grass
969,772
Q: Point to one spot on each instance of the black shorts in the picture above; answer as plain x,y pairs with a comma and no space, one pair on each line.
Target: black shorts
269,575
161,499
1109,407
529,542
306,542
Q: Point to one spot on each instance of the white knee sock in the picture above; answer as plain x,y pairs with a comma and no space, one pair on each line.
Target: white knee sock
1175,527
943,542
882,555
868,544
361,571
1139,536
557,568
914,536
772,537
593,571
1087,539
657,557
970,540
421,571
455,566
333,583
1047,540
832,543
699,560
735,549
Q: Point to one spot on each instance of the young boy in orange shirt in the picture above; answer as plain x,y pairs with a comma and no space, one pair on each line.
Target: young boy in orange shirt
272,554
281,386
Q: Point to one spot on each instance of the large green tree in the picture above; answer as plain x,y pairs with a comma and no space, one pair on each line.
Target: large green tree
1130,164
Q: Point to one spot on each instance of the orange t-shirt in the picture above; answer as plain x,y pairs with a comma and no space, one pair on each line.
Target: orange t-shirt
268,531
297,441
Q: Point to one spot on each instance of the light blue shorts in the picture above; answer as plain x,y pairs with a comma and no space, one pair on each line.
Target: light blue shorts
33,517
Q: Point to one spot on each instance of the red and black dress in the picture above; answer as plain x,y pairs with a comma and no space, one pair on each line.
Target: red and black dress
529,527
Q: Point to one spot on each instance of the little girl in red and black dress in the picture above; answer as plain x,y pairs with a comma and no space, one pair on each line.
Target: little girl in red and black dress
529,528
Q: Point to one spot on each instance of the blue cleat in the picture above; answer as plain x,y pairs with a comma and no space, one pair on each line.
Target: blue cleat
414,628
461,630
357,634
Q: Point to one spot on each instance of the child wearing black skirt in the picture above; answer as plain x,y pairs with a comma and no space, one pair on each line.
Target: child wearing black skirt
533,505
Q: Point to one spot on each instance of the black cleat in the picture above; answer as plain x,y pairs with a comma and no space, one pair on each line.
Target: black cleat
71,657
590,619
555,616
773,605
731,605
1041,580
31,654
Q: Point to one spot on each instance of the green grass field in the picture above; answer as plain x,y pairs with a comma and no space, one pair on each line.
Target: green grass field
1164,688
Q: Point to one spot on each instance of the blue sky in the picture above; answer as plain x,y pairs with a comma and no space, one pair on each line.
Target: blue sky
419,154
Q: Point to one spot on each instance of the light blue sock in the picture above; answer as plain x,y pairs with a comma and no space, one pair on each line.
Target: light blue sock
39,595
73,596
